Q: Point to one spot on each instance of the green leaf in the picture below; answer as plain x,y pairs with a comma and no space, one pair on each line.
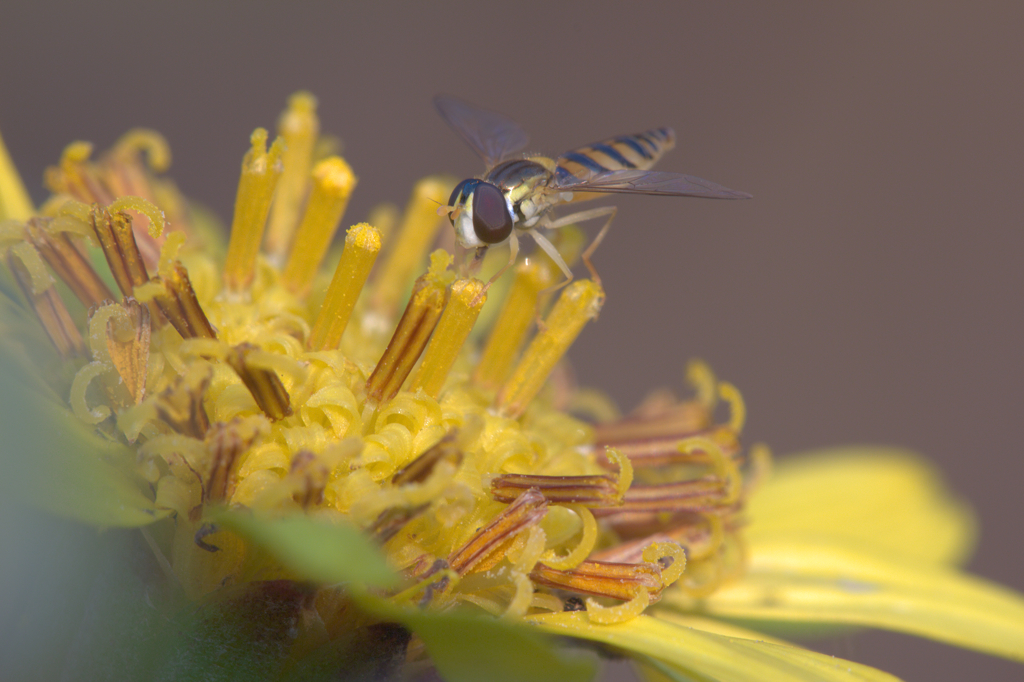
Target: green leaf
469,648
684,653
54,462
798,581
315,550
884,496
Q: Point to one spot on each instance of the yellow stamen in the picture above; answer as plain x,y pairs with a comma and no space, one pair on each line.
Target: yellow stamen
737,408
333,182
429,297
670,556
588,538
15,203
509,332
419,226
417,471
580,302
46,303
607,615
114,232
464,304
157,219
169,253
592,491
264,385
260,171
77,176
128,335
152,143
177,301
362,244
299,127
602,579
67,261
385,218
700,376
523,513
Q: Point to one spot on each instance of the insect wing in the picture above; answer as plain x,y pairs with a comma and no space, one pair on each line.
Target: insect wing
493,136
648,182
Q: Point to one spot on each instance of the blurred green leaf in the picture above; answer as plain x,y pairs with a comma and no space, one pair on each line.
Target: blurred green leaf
469,647
54,462
322,552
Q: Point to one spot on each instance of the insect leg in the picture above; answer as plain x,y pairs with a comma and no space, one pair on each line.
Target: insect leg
579,217
545,244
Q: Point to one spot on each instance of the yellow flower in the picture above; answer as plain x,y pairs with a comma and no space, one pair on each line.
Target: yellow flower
320,470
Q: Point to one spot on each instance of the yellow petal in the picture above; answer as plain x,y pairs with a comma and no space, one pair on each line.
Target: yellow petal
681,652
797,581
885,496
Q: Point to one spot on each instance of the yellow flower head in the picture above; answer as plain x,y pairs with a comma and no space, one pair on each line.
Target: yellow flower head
239,382
249,404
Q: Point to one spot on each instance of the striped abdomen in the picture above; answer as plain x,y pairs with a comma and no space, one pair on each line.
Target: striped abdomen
625,152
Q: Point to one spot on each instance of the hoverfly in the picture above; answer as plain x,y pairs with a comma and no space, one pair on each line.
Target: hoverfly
516,193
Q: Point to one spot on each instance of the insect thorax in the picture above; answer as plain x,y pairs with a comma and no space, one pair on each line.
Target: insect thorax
523,181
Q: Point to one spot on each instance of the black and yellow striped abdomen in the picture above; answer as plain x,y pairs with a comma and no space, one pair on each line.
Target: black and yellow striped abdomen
625,152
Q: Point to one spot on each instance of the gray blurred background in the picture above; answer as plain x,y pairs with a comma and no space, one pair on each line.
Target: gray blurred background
870,293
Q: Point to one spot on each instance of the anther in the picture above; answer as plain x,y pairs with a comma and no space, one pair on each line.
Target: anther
299,127
65,259
264,384
580,302
464,304
113,230
177,301
528,509
513,324
128,335
260,171
362,244
428,300
419,226
47,304
333,182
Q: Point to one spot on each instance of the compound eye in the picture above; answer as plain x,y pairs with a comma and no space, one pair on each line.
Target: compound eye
491,220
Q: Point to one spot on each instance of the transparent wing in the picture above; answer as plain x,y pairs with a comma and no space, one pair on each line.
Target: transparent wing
647,182
491,135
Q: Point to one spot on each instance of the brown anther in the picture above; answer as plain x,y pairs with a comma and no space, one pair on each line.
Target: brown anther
429,297
417,471
264,384
309,477
590,491
225,442
78,176
658,416
526,511
128,345
180,405
665,450
114,233
629,552
50,310
696,495
180,306
65,259
603,579
392,520
424,566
